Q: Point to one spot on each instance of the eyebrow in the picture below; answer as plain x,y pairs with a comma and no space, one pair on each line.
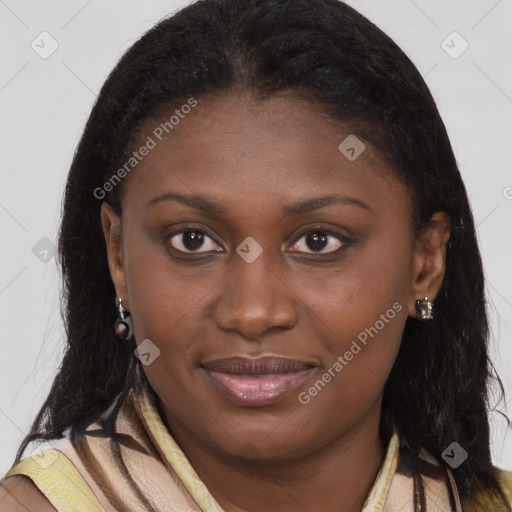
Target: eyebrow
315,203
206,205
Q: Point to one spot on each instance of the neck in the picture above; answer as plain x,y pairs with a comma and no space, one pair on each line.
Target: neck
334,478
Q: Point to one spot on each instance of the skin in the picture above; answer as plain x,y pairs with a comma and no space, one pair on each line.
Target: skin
18,494
252,158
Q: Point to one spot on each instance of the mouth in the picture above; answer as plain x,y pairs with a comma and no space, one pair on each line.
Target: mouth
257,382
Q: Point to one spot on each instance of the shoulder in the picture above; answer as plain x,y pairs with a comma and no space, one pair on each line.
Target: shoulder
50,474
18,494
485,501
505,481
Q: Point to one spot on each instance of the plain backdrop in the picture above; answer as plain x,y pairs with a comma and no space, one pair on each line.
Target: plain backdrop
462,48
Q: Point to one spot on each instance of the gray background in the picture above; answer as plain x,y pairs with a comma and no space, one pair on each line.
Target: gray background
45,102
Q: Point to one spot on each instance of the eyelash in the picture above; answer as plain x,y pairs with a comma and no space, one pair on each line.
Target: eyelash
345,241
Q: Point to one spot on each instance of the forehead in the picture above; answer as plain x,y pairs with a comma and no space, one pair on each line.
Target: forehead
239,149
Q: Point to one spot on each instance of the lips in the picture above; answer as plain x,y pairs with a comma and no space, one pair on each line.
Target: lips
259,366
257,382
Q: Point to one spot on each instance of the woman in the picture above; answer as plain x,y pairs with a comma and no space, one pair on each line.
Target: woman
266,197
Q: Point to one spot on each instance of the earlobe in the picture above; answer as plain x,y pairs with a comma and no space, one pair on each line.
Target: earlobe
429,262
111,226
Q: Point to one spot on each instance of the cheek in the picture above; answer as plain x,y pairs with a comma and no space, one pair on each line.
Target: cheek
170,305
355,312
365,357
170,302
358,360
159,294
360,316
369,292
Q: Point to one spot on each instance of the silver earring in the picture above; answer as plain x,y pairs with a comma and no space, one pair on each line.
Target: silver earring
424,309
123,328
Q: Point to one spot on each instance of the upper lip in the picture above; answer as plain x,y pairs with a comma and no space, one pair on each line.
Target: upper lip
256,366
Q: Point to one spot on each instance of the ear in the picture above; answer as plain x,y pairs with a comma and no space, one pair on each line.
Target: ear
111,225
429,260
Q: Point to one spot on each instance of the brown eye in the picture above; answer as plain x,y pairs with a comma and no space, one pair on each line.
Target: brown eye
191,240
318,240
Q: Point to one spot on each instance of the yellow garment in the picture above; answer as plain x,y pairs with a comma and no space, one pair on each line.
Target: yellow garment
63,485
161,470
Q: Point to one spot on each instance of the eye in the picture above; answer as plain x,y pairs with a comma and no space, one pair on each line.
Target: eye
319,239
190,239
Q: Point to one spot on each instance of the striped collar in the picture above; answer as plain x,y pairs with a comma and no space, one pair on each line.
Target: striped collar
178,461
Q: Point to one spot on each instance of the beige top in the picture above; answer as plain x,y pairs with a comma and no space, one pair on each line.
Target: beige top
74,480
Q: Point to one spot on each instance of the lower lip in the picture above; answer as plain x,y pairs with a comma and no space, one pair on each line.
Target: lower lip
257,390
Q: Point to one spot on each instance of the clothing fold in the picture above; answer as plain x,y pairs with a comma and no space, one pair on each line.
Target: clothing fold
141,468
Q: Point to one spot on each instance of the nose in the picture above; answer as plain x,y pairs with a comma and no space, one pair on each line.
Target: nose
255,299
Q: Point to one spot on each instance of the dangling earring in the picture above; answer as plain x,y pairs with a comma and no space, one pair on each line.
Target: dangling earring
424,309
123,328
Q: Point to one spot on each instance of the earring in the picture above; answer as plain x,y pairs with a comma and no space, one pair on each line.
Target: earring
123,328
424,309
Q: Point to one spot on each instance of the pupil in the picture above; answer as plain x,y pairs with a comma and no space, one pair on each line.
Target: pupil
192,240
316,241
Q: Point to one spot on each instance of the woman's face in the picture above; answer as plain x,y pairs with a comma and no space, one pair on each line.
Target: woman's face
275,292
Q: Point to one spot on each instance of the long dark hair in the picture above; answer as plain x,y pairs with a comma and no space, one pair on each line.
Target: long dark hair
321,51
